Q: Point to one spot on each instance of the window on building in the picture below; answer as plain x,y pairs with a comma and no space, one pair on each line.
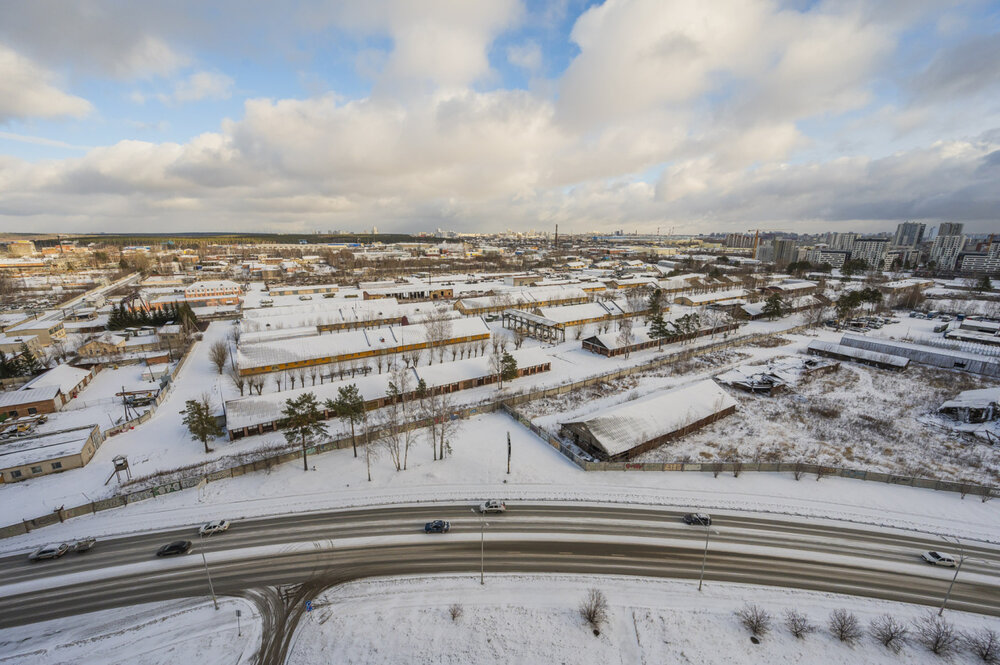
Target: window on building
12,414
32,410
56,465
36,469
15,474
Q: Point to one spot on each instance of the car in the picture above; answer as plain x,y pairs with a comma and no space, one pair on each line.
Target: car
698,518
176,547
53,551
437,526
84,544
492,506
939,559
218,526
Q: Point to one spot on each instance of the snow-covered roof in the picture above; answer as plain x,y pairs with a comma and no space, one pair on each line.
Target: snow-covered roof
622,427
334,345
65,377
587,310
44,447
525,296
254,410
13,398
214,285
973,399
858,354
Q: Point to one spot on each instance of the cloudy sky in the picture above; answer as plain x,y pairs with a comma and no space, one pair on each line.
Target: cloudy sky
483,115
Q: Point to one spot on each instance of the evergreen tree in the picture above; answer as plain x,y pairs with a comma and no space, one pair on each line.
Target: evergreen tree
28,362
349,407
659,329
303,422
508,368
773,306
201,421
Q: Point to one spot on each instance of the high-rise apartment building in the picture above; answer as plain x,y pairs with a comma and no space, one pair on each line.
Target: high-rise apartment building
946,248
870,250
950,229
909,234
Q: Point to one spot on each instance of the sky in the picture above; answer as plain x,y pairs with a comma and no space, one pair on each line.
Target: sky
488,115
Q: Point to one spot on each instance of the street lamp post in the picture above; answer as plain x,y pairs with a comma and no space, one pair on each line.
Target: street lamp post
958,569
482,548
211,587
704,556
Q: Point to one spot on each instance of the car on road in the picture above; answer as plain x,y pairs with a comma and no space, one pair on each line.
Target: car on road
700,519
218,526
176,547
84,544
939,559
437,526
53,551
492,506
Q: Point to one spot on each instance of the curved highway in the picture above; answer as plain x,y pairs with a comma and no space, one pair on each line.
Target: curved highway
343,545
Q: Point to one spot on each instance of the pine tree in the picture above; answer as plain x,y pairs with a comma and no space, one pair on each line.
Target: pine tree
303,422
28,362
201,421
658,329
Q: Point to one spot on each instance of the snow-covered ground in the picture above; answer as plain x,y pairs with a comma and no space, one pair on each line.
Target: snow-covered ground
477,469
535,619
182,631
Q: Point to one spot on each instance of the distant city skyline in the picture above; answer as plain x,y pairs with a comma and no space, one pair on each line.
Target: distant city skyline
483,115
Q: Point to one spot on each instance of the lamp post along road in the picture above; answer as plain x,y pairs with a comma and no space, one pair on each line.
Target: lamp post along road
704,556
958,569
482,548
211,587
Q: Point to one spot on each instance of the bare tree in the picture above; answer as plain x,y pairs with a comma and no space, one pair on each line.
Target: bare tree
889,632
594,609
238,380
277,381
798,624
455,612
218,353
519,336
799,469
313,371
755,619
449,426
936,634
984,644
845,626
414,356
625,335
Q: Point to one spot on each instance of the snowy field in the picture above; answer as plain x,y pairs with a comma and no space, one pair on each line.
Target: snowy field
182,631
535,619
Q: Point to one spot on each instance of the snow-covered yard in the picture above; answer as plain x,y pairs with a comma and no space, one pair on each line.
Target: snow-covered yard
535,619
182,631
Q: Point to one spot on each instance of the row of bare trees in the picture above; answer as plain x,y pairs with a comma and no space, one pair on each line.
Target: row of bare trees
931,631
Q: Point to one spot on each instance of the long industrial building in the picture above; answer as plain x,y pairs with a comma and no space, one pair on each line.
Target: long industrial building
278,356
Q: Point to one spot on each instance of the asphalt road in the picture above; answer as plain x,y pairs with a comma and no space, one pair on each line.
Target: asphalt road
528,538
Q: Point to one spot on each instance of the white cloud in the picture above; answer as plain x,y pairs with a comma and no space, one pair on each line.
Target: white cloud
203,85
27,91
526,56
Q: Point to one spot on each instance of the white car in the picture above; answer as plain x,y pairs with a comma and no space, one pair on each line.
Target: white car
53,551
939,559
218,526
492,506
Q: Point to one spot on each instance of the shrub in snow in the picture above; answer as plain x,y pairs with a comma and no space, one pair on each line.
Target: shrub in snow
889,632
845,626
455,611
594,609
755,619
984,644
936,634
798,624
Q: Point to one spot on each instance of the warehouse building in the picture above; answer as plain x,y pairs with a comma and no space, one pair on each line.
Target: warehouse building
624,431
927,355
47,453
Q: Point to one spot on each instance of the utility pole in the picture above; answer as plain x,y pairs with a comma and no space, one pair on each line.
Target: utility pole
201,539
508,453
961,560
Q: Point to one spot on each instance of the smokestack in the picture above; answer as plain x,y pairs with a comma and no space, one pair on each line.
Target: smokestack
556,244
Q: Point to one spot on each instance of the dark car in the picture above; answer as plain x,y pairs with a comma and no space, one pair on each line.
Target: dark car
176,547
700,519
437,526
